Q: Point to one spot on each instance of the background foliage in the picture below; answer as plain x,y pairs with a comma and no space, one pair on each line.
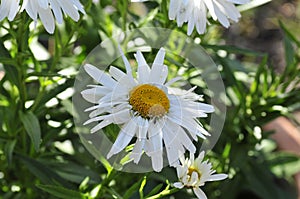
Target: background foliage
41,156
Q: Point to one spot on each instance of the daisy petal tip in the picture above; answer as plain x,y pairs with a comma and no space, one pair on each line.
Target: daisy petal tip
108,156
199,193
178,185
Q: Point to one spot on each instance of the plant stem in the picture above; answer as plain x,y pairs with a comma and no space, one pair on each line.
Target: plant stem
164,193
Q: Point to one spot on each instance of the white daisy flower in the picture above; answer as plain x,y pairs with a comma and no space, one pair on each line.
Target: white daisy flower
194,173
147,108
194,12
46,10
9,9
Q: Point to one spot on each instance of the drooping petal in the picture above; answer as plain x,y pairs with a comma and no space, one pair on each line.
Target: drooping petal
14,7
57,11
199,193
124,137
47,19
217,177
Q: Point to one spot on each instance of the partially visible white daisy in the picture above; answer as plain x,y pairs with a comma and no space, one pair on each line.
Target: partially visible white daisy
46,10
147,108
9,9
193,173
194,12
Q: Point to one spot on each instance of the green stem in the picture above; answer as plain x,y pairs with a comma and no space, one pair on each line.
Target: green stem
164,193
110,175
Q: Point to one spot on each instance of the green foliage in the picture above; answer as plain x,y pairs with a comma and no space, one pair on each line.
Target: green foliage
41,156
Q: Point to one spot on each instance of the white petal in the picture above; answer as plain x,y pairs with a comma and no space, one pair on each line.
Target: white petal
181,171
158,73
101,125
143,128
217,177
31,9
57,11
124,137
172,147
201,156
155,147
14,7
137,150
43,4
174,8
47,19
194,178
178,185
69,9
116,73
173,81
199,193
127,65
143,68
157,161
78,5
239,1
99,76
93,95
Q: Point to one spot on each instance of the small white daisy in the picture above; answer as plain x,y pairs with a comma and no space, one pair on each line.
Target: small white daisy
194,12
46,10
9,9
194,173
147,108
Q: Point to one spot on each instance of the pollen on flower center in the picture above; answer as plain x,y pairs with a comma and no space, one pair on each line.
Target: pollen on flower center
149,101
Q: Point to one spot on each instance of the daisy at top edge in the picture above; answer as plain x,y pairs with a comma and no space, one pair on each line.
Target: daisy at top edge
194,12
9,9
49,10
193,173
148,108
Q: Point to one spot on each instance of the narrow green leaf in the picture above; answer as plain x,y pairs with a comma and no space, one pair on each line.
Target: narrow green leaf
141,190
32,127
289,34
289,52
155,190
43,172
9,148
61,192
133,189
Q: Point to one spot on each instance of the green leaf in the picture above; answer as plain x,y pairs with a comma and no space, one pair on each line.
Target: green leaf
155,190
289,52
32,127
289,34
9,148
43,172
261,181
143,183
133,189
61,192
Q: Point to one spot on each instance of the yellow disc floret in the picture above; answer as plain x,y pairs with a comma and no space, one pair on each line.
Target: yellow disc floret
149,101
193,169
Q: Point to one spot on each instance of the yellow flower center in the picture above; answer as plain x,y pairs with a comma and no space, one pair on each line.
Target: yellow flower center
191,170
149,101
